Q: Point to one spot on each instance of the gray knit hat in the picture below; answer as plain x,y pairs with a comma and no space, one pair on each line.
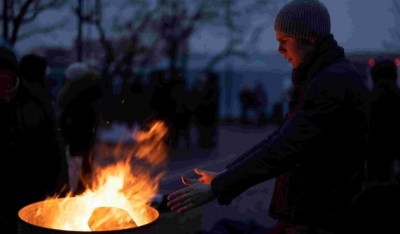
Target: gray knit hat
305,19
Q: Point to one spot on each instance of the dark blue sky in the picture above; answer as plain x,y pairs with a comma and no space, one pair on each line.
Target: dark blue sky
356,24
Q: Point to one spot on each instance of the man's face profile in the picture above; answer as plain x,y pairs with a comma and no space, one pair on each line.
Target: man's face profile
292,49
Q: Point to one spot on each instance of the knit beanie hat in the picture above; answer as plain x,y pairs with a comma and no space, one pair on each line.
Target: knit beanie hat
304,19
75,71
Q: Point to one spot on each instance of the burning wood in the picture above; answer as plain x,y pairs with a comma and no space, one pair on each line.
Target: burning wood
110,218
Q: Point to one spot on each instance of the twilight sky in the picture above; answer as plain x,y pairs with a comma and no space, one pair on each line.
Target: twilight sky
356,24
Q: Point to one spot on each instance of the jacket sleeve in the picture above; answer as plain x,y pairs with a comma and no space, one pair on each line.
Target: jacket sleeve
249,152
284,149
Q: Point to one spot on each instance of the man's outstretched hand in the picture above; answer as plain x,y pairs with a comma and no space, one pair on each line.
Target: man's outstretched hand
198,192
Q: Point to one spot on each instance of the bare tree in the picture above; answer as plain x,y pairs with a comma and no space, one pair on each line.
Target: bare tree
241,30
17,13
178,21
162,29
119,58
394,43
133,45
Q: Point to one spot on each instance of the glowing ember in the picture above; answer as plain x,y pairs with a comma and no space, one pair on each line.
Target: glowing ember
119,193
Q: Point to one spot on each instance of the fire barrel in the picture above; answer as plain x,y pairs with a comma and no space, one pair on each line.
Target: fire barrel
33,221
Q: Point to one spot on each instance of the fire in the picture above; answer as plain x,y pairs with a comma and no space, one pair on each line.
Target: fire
122,188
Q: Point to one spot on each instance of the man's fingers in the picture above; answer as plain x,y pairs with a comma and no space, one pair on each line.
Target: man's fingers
187,181
184,202
198,171
174,203
178,206
186,208
180,202
178,193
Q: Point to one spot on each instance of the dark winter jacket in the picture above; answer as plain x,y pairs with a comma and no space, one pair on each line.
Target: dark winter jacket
31,141
33,162
317,155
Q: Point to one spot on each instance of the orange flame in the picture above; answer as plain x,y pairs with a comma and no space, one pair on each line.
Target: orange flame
127,184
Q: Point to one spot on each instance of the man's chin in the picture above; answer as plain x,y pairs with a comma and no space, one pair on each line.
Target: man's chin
294,66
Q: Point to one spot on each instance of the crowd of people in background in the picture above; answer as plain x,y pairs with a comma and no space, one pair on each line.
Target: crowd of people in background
168,97
50,140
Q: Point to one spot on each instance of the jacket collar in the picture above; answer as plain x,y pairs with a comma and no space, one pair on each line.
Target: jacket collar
326,50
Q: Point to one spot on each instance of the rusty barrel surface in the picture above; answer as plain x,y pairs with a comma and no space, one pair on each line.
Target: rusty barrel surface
30,223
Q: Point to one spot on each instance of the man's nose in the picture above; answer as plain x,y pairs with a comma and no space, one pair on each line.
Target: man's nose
281,50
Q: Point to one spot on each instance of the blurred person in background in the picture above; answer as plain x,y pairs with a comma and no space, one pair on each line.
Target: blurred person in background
317,155
181,111
261,103
33,68
33,74
33,157
385,122
205,107
134,106
248,101
79,101
377,208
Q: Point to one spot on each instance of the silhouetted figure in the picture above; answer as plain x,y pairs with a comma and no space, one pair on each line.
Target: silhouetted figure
33,157
248,103
261,103
141,106
206,95
181,112
33,68
79,101
158,94
33,73
133,103
376,209
385,122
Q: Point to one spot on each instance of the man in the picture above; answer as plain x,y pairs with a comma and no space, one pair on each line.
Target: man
33,164
317,155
